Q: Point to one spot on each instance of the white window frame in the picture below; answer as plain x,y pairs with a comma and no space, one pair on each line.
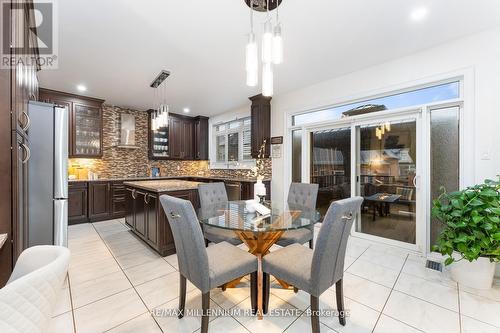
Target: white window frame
241,163
466,101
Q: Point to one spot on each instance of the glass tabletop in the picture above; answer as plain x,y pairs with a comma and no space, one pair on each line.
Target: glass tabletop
240,216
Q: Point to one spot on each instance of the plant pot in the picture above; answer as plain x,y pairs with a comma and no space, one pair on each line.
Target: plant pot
477,274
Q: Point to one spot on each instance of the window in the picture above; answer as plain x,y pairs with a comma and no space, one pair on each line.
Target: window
233,142
421,96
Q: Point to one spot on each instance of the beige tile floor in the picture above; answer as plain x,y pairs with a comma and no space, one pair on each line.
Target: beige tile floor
116,282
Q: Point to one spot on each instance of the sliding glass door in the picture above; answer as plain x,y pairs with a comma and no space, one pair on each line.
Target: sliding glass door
377,159
331,165
386,169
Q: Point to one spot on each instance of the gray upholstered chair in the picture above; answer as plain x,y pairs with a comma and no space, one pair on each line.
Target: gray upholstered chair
214,194
206,268
314,271
304,196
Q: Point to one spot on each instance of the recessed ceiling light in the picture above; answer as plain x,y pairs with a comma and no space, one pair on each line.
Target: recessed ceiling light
186,110
418,14
81,87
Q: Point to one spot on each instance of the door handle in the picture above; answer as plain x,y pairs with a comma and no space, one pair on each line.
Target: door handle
415,181
28,121
28,153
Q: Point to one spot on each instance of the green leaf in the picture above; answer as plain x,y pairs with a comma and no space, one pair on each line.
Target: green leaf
449,261
476,202
477,218
488,226
457,203
496,236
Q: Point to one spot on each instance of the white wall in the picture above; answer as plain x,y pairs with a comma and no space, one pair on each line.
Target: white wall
480,52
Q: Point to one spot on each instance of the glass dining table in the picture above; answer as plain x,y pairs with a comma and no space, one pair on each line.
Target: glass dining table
259,231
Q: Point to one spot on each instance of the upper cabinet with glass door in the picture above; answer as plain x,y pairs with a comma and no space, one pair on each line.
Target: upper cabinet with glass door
85,122
184,138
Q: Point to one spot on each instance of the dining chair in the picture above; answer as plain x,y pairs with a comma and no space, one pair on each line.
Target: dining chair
205,267
303,196
314,271
214,194
30,296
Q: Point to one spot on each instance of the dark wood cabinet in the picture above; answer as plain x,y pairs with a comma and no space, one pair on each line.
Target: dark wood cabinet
85,122
118,201
20,159
151,215
96,201
77,202
130,207
186,139
140,213
99,200
201,138
247,190
18,85
261,124
146,218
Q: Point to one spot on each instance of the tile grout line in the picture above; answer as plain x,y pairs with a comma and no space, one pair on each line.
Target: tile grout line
481,321
71,302
459,309
133,287
390,293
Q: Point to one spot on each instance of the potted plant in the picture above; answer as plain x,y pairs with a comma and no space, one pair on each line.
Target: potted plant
471,235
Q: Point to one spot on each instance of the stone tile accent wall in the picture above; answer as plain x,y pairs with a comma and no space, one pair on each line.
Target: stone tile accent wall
124,162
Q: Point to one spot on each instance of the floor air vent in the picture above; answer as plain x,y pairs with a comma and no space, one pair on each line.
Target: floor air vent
437,266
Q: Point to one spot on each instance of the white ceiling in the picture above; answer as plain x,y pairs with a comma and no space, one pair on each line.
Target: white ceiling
116,48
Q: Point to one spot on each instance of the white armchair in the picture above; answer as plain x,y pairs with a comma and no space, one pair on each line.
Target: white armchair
27,301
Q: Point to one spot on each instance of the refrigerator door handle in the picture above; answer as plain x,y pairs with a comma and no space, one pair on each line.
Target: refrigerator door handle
61,222
60,153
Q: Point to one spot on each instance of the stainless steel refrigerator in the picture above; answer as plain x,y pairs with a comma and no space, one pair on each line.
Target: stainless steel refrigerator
48,175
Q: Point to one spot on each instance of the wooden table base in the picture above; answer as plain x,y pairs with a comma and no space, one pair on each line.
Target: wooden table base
258,244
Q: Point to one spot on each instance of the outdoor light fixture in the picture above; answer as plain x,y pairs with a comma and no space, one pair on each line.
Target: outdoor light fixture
271,46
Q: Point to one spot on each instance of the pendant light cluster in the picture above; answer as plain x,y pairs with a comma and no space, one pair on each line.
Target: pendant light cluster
271,50
159,117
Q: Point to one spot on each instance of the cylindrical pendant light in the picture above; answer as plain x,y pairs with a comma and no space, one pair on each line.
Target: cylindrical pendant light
267,80
252,62
267,43
277,45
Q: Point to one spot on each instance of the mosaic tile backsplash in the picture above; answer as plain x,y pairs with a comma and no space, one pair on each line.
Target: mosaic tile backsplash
126,162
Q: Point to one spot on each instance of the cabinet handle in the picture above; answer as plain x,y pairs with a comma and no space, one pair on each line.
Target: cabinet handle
28,153
146,199
28,121
133,195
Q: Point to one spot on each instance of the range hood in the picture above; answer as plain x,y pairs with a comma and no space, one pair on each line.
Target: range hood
127,131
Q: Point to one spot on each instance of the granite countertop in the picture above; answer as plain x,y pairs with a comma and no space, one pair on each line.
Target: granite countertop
165,185
237,179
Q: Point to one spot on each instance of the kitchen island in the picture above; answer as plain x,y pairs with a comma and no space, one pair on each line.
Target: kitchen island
145,215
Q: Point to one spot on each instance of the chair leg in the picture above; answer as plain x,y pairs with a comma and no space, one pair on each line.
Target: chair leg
295,289
253,292
206,242
223,287
182,296
266,285
315,314
205,305
339,291
311,244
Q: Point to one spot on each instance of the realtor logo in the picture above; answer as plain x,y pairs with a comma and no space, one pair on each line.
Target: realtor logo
29,42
